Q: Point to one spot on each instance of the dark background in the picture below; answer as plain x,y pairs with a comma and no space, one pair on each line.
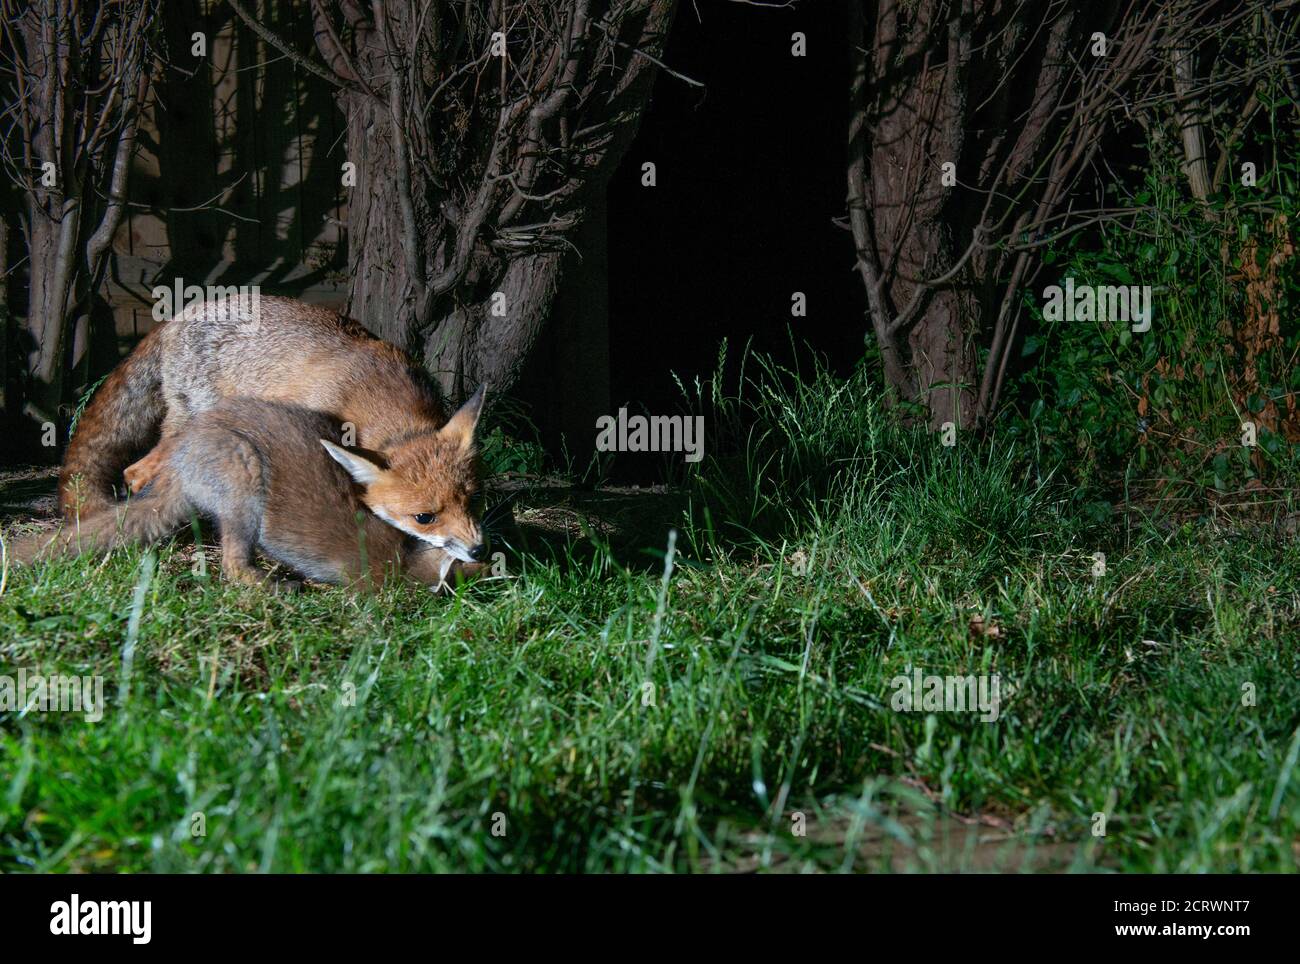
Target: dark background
751,170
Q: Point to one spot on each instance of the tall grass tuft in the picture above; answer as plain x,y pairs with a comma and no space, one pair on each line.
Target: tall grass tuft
792,450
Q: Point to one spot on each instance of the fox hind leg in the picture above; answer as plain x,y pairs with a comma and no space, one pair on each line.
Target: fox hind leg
142,472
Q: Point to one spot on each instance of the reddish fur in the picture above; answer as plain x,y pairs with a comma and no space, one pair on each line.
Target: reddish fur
149,519
259,471
437,474
298,354
121,420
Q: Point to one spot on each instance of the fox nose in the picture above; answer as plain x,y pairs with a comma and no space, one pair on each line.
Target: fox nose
479,552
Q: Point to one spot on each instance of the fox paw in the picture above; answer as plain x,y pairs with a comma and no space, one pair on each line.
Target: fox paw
137,477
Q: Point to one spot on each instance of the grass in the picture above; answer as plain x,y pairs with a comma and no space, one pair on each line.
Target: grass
729,707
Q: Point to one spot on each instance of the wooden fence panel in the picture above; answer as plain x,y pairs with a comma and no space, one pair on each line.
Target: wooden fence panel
237,179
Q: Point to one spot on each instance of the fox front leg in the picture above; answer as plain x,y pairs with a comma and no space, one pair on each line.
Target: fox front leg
237,562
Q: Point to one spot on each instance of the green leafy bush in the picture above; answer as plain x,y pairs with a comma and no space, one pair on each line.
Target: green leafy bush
1169,411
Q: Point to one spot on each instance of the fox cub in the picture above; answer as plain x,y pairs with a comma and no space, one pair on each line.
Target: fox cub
277,477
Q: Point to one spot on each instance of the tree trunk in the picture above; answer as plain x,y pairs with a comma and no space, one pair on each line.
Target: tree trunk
475,167
6,330
970,124
469,344
80,75
51,252
1191,124
918,126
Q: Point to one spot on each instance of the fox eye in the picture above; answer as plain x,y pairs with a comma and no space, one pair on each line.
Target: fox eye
424,518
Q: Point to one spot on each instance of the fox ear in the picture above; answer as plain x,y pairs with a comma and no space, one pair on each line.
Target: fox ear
361,469
462,424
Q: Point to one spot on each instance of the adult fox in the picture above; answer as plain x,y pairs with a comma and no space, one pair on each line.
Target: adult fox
258,468
280,350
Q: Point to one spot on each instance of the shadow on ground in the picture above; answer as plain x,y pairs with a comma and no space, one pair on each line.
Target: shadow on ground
548,518
558,522
28,492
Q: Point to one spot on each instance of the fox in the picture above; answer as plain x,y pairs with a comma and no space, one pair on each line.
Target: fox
277,477
277,350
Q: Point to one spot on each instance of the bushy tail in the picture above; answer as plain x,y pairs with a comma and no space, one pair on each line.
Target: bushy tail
155,514
120,423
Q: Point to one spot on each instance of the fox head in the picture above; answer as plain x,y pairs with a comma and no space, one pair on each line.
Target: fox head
425,483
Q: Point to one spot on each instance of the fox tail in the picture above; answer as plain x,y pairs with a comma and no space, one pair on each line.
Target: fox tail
122,420
158,512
